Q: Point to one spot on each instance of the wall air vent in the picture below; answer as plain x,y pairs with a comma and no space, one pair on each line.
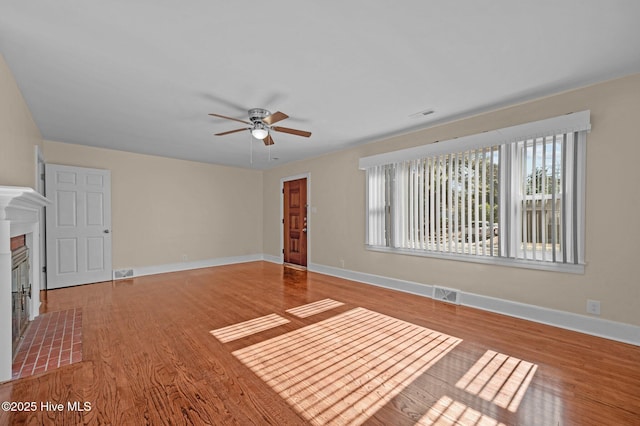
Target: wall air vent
420,114
120,274
446,295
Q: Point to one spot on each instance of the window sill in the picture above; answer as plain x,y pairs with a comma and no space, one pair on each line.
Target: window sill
515,263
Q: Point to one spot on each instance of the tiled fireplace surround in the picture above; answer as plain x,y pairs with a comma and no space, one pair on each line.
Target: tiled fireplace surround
20,209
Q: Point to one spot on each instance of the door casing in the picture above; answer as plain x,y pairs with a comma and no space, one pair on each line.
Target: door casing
40,188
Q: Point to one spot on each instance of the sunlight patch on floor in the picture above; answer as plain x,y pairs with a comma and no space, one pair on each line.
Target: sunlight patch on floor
499,378
310,309
247,328
447,412
345,368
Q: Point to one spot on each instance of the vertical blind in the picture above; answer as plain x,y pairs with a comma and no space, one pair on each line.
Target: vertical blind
517,200
436,203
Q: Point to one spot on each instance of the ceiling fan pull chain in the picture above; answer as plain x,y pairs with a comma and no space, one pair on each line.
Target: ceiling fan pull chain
250,148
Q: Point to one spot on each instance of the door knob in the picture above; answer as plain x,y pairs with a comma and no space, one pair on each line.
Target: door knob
106,231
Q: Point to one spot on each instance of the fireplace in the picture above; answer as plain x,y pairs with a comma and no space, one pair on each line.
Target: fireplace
20,213
20,292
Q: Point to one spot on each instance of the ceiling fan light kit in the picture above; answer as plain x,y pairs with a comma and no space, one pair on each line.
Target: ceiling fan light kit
261,124
259,131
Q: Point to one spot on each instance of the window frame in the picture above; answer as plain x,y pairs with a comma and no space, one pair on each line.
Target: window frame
575,123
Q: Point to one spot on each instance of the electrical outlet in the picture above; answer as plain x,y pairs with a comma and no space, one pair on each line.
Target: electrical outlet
593,307
342,263
185,258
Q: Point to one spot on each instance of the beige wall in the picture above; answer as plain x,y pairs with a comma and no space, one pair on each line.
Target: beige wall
613,200
18,134
164,208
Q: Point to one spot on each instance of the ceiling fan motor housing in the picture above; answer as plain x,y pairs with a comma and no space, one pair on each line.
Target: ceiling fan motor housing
257,114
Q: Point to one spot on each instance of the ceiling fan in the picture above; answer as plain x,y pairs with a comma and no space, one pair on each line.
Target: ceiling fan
261,124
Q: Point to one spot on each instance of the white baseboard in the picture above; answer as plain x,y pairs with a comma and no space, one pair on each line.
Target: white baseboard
612,330
186,266
272,259
377,280
607,329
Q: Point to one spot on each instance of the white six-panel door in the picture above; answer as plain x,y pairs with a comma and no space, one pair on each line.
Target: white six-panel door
78,225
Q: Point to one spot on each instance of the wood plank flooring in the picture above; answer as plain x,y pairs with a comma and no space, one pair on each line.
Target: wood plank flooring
150,357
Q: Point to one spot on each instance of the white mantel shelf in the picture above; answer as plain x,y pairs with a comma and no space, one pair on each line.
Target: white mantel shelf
14,198
20,209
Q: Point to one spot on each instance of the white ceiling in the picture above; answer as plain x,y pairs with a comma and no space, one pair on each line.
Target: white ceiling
142,75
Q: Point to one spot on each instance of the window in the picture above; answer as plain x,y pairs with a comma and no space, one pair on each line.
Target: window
513,196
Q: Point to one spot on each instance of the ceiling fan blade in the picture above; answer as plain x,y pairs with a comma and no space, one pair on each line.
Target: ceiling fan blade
275,117
230,118
292,131
232,131
225,102
268,140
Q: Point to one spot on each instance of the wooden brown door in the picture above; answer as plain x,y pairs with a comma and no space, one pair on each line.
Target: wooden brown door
295,222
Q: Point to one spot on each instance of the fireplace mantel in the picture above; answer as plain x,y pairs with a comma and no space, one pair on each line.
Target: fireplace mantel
20,204
20,209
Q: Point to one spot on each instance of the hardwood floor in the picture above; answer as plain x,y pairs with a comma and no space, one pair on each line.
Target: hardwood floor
357,354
